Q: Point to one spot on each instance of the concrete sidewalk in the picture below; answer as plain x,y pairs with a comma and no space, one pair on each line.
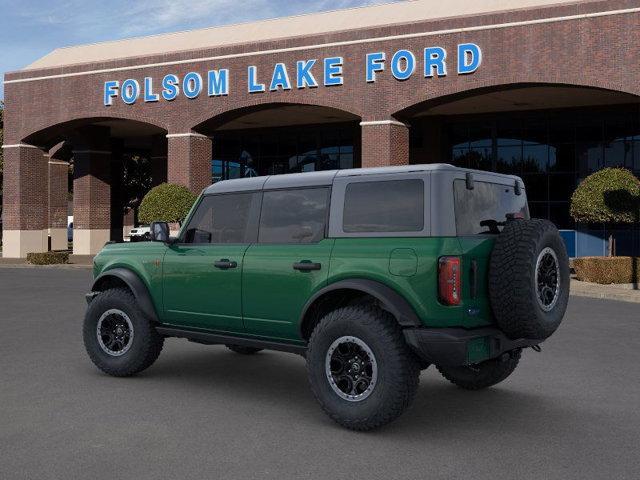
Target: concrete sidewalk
623,292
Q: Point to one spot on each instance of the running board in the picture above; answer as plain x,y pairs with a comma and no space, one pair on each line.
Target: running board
208,338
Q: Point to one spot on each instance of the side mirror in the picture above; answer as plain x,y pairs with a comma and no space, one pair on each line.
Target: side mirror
159,232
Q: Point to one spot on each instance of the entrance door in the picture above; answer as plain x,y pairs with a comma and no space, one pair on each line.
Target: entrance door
289,262
203,270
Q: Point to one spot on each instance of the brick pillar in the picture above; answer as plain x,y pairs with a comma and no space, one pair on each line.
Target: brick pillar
91,200
189,160
158,160
58,191
25,210
384,143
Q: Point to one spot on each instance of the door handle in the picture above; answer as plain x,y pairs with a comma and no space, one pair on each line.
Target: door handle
306,266
225,264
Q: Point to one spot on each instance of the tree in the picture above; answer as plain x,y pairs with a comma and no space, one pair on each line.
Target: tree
611,195
166,202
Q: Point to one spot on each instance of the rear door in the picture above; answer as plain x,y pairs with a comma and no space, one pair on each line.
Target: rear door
202,272
289,262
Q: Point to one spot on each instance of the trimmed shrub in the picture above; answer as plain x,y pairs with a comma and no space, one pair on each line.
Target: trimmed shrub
611,195
606,270
166,203
48,258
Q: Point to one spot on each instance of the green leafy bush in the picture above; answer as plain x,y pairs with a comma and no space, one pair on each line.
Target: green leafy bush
48,258
607,270
167,203
611,195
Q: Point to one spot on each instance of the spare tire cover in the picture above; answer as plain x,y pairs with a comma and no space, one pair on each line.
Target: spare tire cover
529,279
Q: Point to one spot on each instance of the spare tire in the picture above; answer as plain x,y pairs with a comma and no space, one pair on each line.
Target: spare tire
529,279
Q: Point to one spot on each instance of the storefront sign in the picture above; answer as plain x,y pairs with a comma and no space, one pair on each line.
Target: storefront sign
309,73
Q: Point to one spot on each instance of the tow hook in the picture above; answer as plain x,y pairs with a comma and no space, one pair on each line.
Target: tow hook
536,348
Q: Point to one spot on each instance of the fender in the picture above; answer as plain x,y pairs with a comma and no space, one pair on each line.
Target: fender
391,300
135,284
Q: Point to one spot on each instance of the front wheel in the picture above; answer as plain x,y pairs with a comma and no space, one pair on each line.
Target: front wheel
360,369
482,375
118,337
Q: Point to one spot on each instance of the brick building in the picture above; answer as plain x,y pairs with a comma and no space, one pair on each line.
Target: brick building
546,89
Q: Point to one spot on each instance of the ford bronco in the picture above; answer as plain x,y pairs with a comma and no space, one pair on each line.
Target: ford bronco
370,274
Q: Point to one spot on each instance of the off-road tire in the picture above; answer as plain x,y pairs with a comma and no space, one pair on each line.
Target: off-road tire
243,350
482,375
513,290
146,344
398,369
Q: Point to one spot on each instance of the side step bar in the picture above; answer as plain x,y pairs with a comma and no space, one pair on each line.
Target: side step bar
208,338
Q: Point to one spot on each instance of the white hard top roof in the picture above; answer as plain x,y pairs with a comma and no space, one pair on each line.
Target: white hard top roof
326,177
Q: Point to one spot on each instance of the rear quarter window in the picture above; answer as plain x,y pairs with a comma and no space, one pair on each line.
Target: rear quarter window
384,206
484,209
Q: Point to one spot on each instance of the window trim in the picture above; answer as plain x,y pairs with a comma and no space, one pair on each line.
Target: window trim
325,233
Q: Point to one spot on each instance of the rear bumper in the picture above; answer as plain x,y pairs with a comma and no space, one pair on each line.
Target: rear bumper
459,346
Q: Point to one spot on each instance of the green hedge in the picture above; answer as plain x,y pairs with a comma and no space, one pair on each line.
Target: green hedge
607,270
48,258
167,203
611,195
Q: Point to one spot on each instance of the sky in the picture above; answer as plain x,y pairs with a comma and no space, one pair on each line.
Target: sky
29,29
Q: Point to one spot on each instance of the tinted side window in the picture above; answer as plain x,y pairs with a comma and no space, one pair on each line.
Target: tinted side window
294,216
488,203
384,206
229,218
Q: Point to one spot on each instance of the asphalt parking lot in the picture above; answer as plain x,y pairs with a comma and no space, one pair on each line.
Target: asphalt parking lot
201,412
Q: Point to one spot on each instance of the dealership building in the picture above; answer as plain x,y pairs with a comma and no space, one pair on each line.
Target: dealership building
544,89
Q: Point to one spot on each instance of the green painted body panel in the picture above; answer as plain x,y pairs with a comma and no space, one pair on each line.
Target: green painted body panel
196,293
264,296
373,258
477,248
142,258
273,293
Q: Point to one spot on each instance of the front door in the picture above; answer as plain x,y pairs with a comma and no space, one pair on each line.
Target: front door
202,271
289,262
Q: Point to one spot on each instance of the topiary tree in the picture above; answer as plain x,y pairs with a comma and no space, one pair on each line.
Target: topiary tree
611,195
166,202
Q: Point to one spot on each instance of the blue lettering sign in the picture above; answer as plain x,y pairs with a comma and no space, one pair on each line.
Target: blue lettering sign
403,64
130,91
170,87
375,63
304,77
192,85
254,87
218,82
149,96
280,78
469,58
110,92
434,58
333,71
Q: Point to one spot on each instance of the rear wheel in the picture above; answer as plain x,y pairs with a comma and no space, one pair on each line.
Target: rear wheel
243,350
482,375
360,369
118,337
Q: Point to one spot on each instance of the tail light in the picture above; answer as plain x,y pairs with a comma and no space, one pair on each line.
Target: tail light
449,280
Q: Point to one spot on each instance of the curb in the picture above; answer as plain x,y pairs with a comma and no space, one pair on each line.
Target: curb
64,266
604,292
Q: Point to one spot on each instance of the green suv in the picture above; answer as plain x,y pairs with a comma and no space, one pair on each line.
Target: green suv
370,274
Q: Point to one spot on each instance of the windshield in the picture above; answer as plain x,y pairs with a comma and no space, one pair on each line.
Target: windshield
484,209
